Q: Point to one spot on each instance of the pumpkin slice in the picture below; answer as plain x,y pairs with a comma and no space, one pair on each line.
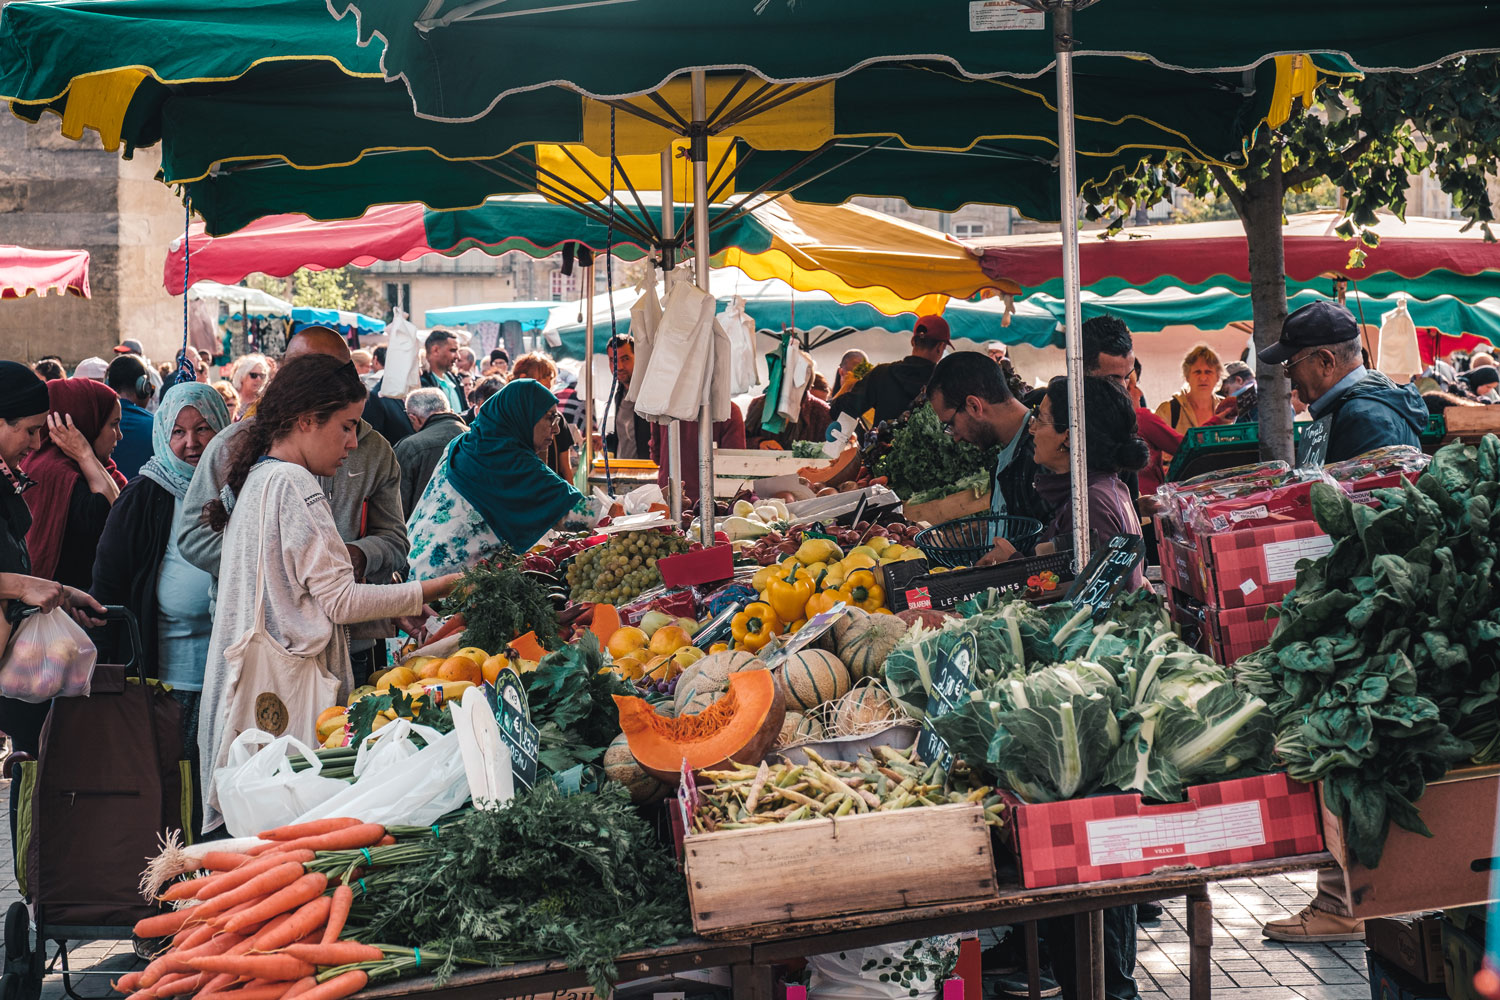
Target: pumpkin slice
740,726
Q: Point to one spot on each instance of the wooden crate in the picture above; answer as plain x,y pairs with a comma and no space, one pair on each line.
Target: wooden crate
830,867
954,505
1470,422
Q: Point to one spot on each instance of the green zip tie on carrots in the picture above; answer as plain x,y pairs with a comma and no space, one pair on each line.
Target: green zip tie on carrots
366,852
418,953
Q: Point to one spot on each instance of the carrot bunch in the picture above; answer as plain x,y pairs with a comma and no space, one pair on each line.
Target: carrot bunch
260,925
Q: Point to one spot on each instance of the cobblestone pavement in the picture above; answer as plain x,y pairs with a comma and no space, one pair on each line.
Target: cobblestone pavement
1245,966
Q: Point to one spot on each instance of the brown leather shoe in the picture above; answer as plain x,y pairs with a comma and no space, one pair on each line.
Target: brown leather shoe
1313,926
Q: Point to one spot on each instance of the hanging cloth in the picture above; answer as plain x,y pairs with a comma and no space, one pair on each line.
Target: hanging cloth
1400,356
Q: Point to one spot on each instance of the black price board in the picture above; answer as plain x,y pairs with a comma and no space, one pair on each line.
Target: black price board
1106,571
508,699
951,685
1313,445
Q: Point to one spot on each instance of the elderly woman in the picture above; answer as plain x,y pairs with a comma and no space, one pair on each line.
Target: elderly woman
493,490
249,377
138,565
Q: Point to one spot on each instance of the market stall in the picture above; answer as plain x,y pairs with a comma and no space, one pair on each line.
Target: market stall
24,271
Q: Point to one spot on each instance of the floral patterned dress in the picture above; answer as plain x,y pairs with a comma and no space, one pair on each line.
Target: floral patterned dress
448,534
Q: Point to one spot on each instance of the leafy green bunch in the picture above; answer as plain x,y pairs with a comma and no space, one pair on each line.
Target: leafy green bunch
570,697
582,878
499,603
922,455
1384,670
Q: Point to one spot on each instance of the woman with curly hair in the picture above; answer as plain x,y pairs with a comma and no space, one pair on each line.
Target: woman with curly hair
279,652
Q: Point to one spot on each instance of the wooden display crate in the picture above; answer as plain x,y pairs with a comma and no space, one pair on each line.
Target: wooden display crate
829,867
954,505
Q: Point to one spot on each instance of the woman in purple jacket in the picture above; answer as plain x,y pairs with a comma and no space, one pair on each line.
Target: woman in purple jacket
1113,446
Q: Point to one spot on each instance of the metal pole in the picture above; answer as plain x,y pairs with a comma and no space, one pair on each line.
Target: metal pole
588,373
668,227
700,271
1062,38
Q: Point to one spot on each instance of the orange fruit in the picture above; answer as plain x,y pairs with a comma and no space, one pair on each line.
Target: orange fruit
460,668
397,677
492,667
329,713
429,670
669,639
626,641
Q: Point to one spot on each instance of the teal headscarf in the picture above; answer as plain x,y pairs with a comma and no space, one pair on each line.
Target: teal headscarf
495,466
166,469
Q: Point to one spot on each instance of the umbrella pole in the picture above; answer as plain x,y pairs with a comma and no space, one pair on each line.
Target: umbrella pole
700,270
588,372
1062,39
674,440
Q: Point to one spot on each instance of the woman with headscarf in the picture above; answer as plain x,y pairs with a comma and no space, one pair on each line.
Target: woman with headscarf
76,480
493,490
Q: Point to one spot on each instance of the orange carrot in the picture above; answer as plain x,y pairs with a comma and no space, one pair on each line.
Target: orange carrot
183,984
296,831
338,953
277,968
159,969
385,841
141,995
126,983
223,861
244,874
187,888
218,982
299,987
163,924
303,890
267,882
308,918
339,986
338,913
191,936
265,991
349,838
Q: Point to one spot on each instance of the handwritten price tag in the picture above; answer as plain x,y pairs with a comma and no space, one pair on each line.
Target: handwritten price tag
951,685
520,737
1107,569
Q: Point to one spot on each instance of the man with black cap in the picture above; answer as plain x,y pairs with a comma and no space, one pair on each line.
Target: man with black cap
1358,410
890,389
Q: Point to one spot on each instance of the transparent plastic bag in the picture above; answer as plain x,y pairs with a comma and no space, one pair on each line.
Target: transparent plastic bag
49,656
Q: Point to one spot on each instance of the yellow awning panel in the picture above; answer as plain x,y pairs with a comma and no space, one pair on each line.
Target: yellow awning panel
584,175
805,122
99,101
1296,82
857,255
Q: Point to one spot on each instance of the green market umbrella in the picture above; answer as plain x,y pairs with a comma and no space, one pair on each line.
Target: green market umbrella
445,50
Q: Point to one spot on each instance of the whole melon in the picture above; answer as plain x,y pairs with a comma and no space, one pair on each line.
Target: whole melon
865,645
621,766
811,677
706,679
861,707
799,728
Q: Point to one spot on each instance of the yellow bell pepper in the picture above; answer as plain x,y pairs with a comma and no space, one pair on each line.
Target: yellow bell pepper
718,647
861,591
821,602
754,627
787,593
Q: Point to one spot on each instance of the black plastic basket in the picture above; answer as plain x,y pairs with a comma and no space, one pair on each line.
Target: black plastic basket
963,541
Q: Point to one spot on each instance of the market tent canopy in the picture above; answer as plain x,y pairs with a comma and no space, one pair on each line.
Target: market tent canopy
444,51
852,253
24,271
531,315
240,299
342,320
1218,309
1423,257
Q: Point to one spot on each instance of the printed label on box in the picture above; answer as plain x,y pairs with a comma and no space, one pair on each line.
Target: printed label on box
1281,557
1004,15
1149,838
919,598
1237,516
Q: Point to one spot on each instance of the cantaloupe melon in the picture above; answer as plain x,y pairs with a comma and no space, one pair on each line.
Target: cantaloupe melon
811,677
741,725
863,706
703,681
621,766
864,643
799,728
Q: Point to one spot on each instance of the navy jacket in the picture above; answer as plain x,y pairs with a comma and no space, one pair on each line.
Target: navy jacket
1373,413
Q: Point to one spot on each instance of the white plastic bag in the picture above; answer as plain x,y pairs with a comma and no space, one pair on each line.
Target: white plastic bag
259,790
403,357
49,656
415,791
390,746
911,969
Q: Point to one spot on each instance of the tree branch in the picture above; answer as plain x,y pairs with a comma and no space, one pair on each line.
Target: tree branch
1231,190
1297,178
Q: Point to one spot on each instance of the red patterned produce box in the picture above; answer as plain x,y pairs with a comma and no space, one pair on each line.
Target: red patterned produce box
1242,569
1117,836
1238,631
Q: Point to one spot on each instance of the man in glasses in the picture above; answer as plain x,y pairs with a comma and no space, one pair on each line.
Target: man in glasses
1359,410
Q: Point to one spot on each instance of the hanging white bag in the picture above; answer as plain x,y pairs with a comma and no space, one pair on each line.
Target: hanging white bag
415,792
259,789
403,357
673,383
49,656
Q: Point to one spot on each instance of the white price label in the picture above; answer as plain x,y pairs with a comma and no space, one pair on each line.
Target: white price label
1175,835
1281,557
1004,15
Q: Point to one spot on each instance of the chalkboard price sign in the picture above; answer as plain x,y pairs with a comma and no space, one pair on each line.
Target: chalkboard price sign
1313,445
1107,569
951,685
521,738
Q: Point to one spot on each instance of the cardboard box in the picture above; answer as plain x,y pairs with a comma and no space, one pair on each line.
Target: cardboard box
1412,944
1241,569
1387,983
1117,836
1463,954
1450,868
948,508
1224,635
832,867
